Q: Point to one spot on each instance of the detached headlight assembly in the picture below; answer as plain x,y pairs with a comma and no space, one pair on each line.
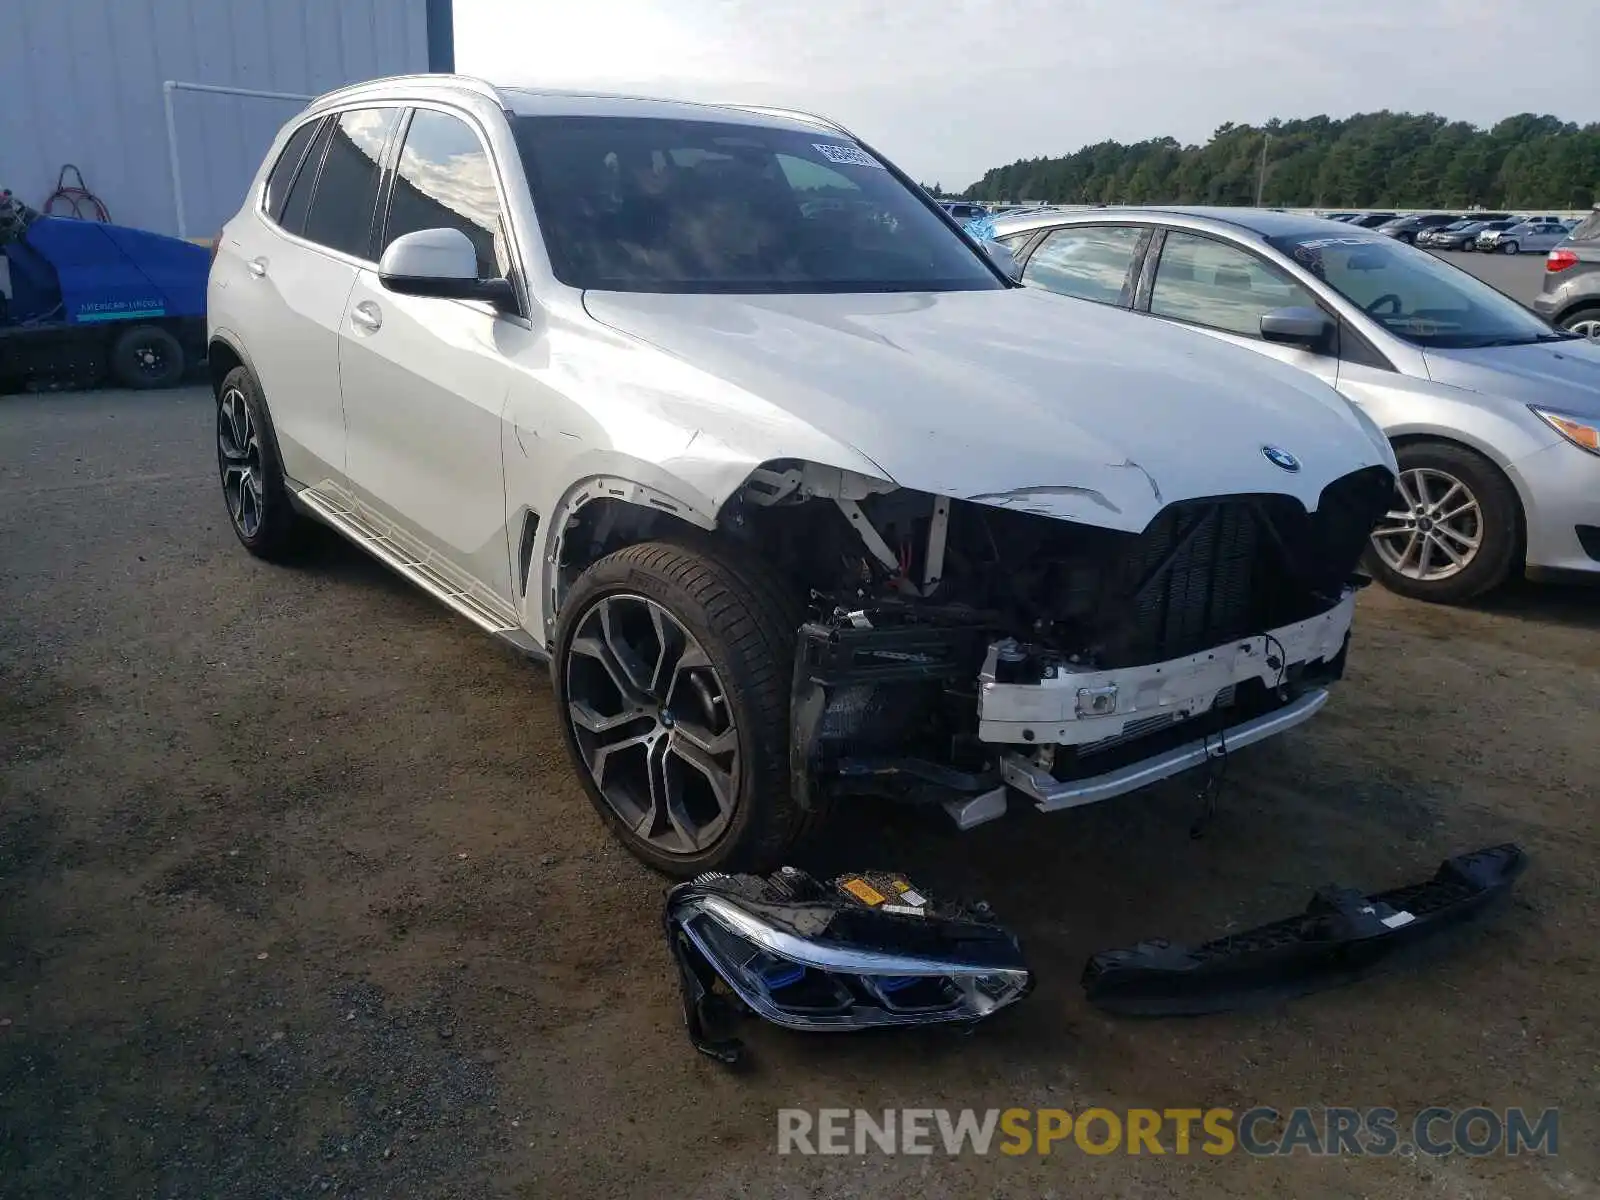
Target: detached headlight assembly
1581,432
861,951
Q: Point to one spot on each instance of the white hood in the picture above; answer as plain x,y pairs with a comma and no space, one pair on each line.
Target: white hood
1015,397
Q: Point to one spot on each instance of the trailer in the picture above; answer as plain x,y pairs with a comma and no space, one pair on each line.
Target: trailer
82,302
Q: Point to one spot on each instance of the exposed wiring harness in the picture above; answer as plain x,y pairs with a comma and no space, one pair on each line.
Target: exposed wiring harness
77,197
1217,764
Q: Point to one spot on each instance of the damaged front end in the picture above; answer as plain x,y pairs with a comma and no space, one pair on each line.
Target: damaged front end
961,650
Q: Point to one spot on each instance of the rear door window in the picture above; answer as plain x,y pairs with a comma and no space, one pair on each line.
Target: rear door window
347,190
1088,262
287,167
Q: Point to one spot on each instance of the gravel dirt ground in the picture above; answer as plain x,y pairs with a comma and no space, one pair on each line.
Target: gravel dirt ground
298,895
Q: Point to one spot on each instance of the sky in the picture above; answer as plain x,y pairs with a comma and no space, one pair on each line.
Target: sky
949,88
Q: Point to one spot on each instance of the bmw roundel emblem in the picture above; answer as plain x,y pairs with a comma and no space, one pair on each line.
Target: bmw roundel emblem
1280,457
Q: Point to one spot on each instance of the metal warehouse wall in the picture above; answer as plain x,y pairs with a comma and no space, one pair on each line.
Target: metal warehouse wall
83,84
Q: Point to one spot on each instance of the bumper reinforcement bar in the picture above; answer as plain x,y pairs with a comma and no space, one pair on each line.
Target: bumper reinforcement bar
1341,937
1051,794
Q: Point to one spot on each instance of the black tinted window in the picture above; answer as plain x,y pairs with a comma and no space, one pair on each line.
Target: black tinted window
283,172
445,181
299,200
1091,262
656,205
347,191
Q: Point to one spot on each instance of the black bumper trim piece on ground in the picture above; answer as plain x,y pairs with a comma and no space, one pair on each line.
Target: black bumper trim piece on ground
1342,936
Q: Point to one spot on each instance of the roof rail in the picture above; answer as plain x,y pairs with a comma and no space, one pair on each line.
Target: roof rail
469,82
794,114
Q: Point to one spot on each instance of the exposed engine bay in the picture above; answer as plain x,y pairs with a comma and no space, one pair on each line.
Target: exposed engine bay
958,646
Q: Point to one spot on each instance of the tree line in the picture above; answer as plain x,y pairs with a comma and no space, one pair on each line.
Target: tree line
1370,160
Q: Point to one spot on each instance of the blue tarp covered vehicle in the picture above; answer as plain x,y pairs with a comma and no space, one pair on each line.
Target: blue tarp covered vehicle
81,301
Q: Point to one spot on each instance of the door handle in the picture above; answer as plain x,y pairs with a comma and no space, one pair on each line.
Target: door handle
366,316
257,267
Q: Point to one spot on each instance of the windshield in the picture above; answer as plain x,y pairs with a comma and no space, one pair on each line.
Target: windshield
643,204
1415,296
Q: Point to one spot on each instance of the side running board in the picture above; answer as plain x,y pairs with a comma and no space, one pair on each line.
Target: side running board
353,525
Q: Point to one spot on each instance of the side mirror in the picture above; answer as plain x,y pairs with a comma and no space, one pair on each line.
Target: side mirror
440,262
1003,258
1308,328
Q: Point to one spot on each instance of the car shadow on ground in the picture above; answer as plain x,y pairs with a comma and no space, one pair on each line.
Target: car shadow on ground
329,555
1574,605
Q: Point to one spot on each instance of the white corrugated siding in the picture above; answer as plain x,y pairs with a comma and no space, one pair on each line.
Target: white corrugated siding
82,84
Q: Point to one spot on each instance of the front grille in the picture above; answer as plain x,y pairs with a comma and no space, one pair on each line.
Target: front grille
1201,568
1206,572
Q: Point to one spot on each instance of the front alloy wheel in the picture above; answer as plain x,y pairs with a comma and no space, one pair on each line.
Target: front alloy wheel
1454,530
1434,531
653,724
673,664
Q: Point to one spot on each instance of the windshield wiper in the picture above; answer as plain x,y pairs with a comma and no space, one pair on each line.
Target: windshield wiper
1520,340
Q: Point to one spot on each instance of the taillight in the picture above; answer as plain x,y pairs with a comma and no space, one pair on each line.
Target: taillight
1560,260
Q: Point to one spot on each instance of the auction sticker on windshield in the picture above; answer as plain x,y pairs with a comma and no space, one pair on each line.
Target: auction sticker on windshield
853,156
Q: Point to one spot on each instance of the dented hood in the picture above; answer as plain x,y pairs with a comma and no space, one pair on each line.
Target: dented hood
1015,397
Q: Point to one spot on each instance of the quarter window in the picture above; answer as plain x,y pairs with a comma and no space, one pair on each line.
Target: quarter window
1210,283
1092,262
347,191
283,172
445,180
298,201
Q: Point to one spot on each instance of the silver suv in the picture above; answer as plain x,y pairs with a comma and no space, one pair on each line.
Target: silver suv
798,493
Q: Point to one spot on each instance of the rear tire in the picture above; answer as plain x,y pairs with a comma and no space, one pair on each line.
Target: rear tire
1441,479
259,509
147,356
1585,321
710,640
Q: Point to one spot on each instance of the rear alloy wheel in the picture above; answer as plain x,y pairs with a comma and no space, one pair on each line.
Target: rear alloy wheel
1586,321
1452,532
252,477
672,669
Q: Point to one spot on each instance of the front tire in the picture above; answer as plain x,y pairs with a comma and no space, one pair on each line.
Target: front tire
1455,529
259,508
1509,248
672,669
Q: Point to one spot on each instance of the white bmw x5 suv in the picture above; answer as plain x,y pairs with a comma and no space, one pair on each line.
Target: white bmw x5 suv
800,495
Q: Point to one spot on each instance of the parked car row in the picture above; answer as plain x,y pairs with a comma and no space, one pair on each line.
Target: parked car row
1533,234
800,494
1570,296
1490,232
1495,415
